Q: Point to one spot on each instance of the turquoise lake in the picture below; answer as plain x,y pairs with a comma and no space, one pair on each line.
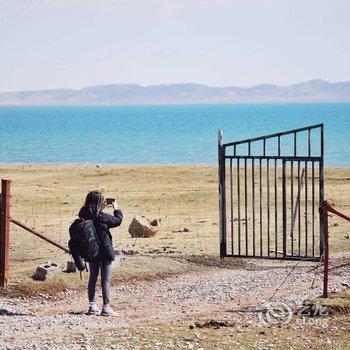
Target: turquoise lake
173,134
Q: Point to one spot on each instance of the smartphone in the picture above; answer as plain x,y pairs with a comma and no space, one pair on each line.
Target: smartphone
110,200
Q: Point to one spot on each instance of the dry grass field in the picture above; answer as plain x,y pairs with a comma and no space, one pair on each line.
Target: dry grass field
48,198
165,283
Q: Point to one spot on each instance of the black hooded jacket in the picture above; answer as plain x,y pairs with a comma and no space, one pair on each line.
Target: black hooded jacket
102,225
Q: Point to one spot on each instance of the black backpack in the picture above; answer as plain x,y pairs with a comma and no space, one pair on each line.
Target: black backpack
83,242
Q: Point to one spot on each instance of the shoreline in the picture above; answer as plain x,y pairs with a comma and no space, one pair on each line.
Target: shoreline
141,165
109,165
162,104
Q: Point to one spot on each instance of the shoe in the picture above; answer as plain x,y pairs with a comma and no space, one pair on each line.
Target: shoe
93,309
108,311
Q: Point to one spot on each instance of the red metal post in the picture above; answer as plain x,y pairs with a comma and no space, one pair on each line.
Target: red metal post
325,248
4,232
325,209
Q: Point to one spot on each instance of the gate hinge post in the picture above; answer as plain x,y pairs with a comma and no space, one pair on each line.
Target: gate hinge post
222,197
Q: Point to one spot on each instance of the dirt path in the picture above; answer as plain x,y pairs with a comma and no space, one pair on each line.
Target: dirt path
59,323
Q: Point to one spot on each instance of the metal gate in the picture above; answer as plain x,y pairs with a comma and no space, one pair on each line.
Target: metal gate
270,192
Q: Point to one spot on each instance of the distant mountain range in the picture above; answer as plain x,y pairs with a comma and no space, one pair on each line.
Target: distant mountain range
313,91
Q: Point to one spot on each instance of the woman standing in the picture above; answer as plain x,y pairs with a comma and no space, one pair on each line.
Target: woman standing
103,222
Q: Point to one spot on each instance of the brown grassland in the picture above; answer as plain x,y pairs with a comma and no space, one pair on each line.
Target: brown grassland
48,198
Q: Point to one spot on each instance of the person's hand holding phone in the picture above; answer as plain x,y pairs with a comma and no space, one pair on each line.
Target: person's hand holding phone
112,202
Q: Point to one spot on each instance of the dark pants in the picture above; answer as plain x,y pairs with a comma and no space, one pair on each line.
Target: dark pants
106,267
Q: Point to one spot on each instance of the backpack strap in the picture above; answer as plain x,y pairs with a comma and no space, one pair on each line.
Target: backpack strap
96,235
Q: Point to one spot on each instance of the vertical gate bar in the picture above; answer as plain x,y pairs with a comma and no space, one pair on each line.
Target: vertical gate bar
276,246
321,189
294,214
249,148
246,206
253,204
260,207
224,201
5,232
292,206
264,147
306,213
299,211
261,217
231,204
235,153
309,142
268,205
239,207
279,146
284,208
279,154
313,208
222,196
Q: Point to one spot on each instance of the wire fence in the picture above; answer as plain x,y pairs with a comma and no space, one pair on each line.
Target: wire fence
189,222
189,215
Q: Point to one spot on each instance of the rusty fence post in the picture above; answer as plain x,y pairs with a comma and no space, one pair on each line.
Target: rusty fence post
4,232
327,208
325,248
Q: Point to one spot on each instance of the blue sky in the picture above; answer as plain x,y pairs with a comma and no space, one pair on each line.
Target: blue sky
76,43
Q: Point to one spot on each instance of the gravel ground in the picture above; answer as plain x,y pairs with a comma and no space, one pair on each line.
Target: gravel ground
59,322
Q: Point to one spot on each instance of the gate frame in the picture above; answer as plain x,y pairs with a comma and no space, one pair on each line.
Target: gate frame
222,186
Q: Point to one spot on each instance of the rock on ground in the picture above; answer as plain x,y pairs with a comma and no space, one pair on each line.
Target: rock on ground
141,227
47,270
